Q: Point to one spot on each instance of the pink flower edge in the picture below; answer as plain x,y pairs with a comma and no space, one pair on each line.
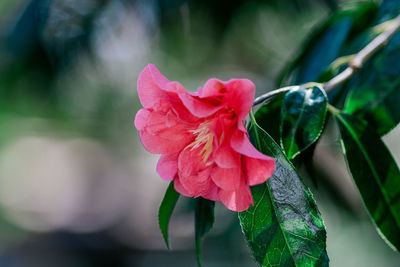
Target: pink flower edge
204,146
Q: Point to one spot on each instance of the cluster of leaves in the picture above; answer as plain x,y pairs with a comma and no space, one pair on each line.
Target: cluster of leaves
368,111
284,227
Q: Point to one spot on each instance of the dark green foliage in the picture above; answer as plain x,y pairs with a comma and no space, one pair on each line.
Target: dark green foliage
372,93
302,118
268,116
284,227
375,173
375,91
326,41
166,208
204,220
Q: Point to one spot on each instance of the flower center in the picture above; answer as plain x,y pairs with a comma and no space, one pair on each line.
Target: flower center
203,137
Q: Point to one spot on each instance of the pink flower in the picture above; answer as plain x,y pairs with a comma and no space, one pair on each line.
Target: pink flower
204,146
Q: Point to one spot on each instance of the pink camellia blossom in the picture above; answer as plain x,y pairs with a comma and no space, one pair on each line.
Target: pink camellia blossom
204,146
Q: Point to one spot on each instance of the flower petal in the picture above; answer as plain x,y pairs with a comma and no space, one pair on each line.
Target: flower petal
240,143
226,157
198,108
212,194
240,96
169,127
158,145
237,200
151,86
183,113
258,170
198,184
193,173
227,179
167,166
212,88
180,189
141,119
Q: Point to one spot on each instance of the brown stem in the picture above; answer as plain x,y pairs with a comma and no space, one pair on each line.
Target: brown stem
355,64
361,57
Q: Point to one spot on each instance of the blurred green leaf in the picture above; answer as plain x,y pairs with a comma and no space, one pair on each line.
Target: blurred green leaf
302,118
284,227
204,220
325,42
375,91
375,173
166,208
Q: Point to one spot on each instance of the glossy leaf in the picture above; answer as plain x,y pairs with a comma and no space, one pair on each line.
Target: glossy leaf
204,220
375,90
166,208
375,173
284,227
302,118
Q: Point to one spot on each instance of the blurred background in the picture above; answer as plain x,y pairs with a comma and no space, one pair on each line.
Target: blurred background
76,186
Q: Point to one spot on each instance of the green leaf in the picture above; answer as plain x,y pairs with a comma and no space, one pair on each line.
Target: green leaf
284,227
164,213
325,42
375,91
302,118
268,116
375,173
204,220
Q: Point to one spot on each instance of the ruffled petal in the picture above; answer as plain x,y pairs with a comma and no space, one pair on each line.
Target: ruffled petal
158,145
227,179
240,143
198,108
183,113
157,77
258,170
169,127
197,185
226,157
175,87
141,118
193,173
213,88
167,166
240,96
151,86
237,200
180,189
212,194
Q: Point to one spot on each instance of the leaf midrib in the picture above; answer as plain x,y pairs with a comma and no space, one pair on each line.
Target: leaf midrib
280,226
272,202
372,167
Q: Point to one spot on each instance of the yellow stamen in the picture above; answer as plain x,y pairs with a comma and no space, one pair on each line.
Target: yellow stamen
203,136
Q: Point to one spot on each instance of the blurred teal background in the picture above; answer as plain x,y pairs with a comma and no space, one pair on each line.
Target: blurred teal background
76,186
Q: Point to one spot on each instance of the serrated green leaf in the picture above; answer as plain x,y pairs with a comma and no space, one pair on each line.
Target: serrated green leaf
302,118
204,220
166,208
284,227
375,173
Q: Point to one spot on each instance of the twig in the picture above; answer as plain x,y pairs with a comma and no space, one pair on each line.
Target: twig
270,94
361,57
355,63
